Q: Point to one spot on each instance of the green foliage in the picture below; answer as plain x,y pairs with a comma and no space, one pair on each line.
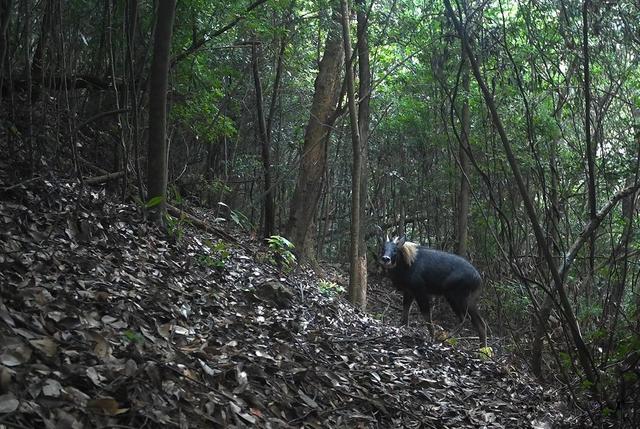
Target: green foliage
514,300
452,341
586,385
330,288
377,316
154,201
485,353
597,335
626,345
280,252
132,337
175,226
630,377
173,195
201,116
565,360
218,187
216,255
590,312
608,412
240,219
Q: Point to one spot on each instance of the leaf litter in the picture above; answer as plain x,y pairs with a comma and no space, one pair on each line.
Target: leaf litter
106,323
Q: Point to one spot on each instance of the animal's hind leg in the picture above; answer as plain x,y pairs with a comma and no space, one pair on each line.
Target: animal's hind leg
459,308
479,324
468,307
424,302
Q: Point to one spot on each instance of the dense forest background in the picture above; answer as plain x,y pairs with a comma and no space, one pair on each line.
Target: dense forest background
504,131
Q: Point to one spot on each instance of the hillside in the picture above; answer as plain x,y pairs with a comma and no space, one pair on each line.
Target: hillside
105,323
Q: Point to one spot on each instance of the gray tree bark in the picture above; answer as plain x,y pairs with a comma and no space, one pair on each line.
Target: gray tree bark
158,84
313,162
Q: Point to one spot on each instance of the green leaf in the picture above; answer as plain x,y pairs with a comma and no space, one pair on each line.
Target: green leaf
155,201
485,353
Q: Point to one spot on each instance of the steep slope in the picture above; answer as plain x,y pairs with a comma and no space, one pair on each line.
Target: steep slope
104,323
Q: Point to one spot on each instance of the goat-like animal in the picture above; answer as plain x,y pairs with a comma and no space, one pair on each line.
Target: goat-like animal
419,272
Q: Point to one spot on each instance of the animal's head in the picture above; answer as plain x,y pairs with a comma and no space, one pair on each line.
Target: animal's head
391,251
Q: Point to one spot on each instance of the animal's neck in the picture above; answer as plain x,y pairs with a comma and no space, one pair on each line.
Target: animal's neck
408,253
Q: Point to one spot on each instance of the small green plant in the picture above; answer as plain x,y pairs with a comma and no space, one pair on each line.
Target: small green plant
216,255
329,288
280,252
452,341
154,201
132,337
173,195
175,226
608,412
240,219
217,186
485,353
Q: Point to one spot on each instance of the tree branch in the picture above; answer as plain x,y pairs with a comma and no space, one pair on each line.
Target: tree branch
195,46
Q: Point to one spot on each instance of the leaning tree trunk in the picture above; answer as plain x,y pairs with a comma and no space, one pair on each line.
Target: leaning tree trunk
158,83
313,161
584,355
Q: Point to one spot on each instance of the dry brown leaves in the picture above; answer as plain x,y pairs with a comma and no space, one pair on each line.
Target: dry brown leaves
104,323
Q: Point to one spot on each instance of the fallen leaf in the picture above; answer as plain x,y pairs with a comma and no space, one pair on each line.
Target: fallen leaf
5,378
15,354
93,375
165,330
106,406
8,403
75,395
51,388
307,400
46,345
107,320
102,348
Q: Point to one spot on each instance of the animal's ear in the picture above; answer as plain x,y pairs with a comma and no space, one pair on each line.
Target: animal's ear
401,241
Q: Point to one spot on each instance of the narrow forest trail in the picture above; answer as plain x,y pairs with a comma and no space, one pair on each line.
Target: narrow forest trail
103,323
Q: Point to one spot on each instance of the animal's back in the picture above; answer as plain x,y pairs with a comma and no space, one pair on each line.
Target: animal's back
441,272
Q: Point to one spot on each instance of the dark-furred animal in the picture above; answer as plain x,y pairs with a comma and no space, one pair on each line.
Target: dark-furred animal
420,272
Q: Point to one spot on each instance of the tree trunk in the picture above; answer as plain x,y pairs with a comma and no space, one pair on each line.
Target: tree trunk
28,79
357,289
131,26
314,150
591,181
465,191
269,213
364,114
158,84
5,12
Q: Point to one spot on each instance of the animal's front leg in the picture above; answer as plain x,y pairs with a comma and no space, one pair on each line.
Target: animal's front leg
424,302
407,300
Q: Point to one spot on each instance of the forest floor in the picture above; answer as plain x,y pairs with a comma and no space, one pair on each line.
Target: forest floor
106,323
